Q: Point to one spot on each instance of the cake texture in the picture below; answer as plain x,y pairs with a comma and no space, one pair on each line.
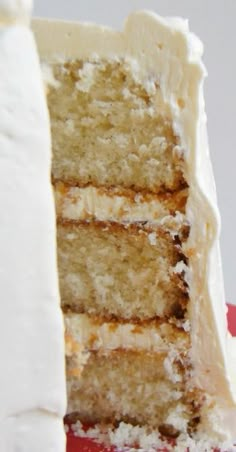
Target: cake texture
137,230
32,382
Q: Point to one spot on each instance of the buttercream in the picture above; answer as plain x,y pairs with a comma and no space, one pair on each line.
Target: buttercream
32,377
15,10
87,203
92,335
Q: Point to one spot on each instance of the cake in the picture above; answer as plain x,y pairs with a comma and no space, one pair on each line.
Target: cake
32,377
137,229
147,349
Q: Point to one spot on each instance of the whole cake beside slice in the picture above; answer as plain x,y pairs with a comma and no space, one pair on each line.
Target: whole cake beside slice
32,376
138,257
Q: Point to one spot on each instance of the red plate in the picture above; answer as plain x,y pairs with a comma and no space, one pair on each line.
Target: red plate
232,319
75,444
84,445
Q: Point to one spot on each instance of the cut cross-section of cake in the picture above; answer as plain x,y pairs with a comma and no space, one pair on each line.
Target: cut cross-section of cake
139,265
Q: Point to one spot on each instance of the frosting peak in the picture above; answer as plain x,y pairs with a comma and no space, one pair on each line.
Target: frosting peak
15,11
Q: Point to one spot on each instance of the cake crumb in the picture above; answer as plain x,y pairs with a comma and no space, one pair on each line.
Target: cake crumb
129,438
152,238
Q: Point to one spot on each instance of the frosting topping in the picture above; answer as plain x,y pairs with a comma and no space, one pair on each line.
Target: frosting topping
15,10
32,379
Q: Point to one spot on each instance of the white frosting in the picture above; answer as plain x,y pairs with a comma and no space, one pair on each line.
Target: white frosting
32,373
164,49
32,431
91,335
15,10
77,203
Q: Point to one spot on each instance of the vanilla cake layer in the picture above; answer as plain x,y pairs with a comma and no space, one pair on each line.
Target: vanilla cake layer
114,369
123,271
108,129
139,387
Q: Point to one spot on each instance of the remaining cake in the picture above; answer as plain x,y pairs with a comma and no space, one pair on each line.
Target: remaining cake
137,236
32,378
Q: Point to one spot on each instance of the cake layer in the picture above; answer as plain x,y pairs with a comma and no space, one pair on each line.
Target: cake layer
137,387
93,334
124,271
109,129
112,204
118,368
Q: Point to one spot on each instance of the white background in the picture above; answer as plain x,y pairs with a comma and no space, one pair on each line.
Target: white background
214,21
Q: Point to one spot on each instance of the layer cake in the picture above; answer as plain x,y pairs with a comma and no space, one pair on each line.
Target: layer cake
137,228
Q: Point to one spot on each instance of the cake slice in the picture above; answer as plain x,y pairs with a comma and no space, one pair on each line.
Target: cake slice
138,227
32,379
